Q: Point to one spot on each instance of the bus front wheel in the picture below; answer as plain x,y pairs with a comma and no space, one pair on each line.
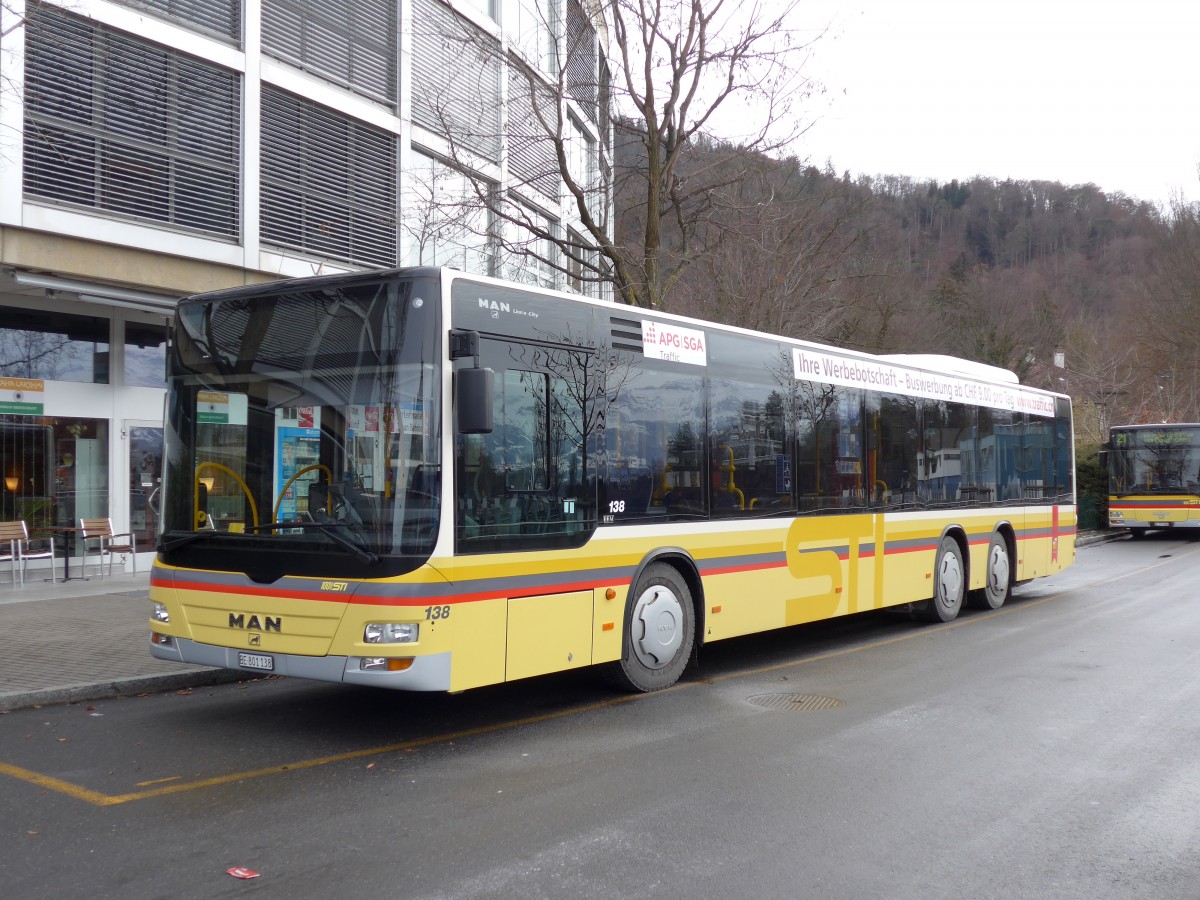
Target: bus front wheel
660,629
949,583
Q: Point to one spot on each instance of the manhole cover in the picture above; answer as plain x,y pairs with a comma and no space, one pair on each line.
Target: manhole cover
796,702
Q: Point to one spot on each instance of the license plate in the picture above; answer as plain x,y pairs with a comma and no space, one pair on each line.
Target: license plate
256,661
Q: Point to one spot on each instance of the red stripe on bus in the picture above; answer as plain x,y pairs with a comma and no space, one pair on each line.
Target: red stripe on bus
431,600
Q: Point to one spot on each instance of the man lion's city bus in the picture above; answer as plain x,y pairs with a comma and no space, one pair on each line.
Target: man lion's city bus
1153,477
424,480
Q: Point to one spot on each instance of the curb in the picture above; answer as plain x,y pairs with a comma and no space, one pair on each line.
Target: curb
120,687
1100,537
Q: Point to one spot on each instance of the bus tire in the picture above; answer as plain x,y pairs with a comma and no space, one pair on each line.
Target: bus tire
949,583
998,576
1138,533
660,629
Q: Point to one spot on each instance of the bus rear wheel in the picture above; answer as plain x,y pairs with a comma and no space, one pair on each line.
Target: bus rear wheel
660,629
996,591
949,584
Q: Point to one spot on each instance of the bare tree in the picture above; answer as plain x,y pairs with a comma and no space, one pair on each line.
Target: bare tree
1100,368
1170,324
677,66
9,23
780,258
34,354
682,64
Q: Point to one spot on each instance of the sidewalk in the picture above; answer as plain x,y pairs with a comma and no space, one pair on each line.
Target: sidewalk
83,640
87,640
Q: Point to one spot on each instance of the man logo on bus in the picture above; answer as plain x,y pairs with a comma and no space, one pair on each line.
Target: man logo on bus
254,623
495,306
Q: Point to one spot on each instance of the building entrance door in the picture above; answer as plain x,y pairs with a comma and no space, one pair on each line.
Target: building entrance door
145,480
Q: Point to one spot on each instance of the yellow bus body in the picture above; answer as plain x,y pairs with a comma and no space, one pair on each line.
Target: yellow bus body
491,618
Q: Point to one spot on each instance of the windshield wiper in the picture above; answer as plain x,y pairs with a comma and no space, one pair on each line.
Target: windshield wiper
327,529
168,546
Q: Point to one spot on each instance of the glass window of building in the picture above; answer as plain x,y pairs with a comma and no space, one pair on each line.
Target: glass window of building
532,158
445,221
534,263
581,59
581,163
212,17
581,266
55,470
53,346
130,127
456,79
81,469
532,28
145,355
328,182
486,7
350,42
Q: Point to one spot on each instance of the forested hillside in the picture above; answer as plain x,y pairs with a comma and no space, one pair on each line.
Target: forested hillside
1001,272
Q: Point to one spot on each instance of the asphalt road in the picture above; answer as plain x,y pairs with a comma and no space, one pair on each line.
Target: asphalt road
1044,750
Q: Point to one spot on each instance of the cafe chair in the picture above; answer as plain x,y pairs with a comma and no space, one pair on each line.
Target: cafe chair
106,544
16,550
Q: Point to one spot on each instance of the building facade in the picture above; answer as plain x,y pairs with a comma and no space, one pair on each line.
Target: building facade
151,149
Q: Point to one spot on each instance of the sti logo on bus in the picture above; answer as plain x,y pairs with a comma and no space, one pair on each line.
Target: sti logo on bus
254,623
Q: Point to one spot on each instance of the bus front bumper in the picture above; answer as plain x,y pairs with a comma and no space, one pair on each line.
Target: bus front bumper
427,673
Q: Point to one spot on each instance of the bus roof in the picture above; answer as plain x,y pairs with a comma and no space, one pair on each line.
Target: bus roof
954,365
928,362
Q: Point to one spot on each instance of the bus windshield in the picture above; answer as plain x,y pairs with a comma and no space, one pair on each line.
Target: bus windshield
302,429
1155,460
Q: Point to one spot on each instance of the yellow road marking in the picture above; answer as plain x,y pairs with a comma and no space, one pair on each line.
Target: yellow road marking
99,799
55,784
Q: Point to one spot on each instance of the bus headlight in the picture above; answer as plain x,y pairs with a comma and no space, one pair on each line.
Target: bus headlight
391,633
161,614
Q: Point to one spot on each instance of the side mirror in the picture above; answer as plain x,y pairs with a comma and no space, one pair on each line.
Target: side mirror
1104,459
473,400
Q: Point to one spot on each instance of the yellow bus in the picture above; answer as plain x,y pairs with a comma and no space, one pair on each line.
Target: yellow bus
1153,477
425,480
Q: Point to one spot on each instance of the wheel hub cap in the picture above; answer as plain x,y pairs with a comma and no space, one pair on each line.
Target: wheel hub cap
657,626
998,573
950,581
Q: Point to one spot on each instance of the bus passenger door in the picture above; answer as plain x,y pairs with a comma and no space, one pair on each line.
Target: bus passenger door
524,490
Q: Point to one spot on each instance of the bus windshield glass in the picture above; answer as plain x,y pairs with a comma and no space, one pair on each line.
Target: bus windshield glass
1156,460
302,429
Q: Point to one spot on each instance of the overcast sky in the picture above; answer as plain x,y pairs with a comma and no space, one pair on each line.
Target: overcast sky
1055,90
